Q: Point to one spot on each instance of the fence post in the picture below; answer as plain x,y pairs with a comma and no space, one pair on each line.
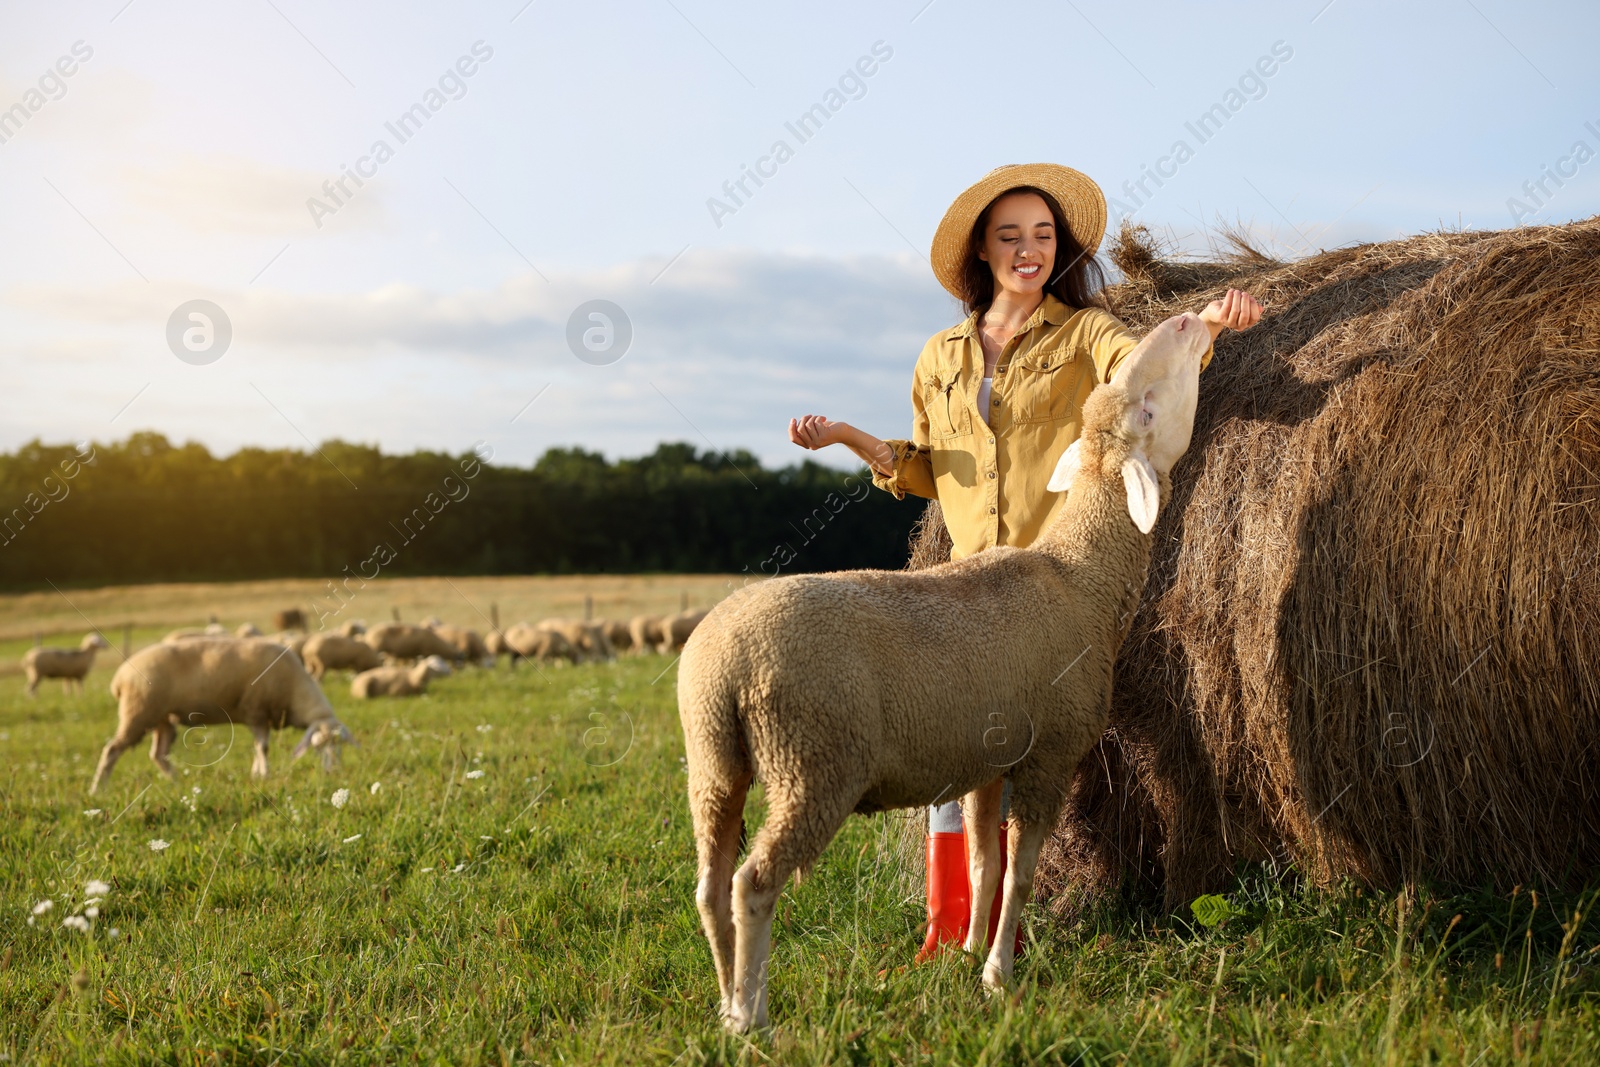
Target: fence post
38,639
683,600
396,613
588,607
127,639
494,616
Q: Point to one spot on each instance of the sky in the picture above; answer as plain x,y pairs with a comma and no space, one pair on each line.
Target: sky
428,282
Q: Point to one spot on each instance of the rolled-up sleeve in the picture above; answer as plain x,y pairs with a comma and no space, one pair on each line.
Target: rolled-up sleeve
913,459
1109,343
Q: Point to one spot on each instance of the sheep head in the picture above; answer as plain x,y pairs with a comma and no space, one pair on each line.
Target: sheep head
1143,418
325,737
433,667
94,640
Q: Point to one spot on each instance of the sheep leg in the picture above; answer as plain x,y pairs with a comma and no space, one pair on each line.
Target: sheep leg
799,826
258,766
160,744
109,756
980,817
1023,843
718,822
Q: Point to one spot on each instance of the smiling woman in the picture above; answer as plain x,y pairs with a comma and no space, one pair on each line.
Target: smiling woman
996,400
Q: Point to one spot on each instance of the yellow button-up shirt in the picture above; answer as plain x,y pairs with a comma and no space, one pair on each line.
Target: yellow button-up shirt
988,470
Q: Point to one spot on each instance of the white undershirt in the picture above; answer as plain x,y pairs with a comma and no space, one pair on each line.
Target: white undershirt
983,399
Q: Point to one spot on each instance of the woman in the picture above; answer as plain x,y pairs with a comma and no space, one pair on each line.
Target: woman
997,399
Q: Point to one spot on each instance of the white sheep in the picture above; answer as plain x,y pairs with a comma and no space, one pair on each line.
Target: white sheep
538,643
402,640
675,629
861,691
398,681
253,683
645,632
469,646
336,652
68,664
588,639
618,634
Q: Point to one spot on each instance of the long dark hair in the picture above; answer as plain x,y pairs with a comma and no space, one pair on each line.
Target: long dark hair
1077,286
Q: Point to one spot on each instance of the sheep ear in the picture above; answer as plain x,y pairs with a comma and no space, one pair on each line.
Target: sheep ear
1066,470
1144,492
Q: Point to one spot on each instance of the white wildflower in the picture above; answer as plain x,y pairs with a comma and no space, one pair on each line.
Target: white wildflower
485,728
374,787
96,888
156,844
92,912
426,870
92,812
485,837
340,798
352,837
474,774
113,933
458,868
43,906
76,922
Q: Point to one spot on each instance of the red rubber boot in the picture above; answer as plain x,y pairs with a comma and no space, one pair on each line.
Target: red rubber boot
949,894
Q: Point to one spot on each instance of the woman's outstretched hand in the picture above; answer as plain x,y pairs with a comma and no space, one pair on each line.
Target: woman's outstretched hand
814,431
1236,311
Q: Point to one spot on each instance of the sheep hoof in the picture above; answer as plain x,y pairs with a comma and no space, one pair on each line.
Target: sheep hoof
995,981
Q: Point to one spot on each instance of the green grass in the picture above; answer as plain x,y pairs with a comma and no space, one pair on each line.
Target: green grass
569,934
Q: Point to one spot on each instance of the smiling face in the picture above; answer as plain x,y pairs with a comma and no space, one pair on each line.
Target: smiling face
1019,243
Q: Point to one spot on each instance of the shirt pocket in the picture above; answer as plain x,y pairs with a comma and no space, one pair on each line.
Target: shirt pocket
946,406
1045,385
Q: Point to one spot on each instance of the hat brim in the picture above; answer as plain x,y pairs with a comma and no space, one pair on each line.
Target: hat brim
1081,201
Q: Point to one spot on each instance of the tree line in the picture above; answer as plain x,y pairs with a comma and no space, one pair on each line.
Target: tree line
147,510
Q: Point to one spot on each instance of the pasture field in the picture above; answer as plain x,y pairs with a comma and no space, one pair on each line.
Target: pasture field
510,880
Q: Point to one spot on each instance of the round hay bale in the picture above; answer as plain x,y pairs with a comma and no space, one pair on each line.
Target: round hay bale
1369,640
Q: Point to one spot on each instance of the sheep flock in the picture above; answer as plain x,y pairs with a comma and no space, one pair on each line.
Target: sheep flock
240,677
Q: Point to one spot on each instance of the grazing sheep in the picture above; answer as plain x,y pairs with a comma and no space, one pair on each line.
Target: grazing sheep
289,619
675,629
336,652
588,639
540,644
617,634
469,647
398,681
402,640
645,630
495,645
68,664
804,681
250,682
247,629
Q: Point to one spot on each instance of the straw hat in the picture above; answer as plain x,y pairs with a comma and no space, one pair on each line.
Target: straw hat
1082,203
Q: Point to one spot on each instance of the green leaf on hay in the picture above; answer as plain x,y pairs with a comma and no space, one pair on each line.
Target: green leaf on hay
1212,910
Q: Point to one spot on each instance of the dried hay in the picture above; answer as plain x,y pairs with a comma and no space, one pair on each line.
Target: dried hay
1370,642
